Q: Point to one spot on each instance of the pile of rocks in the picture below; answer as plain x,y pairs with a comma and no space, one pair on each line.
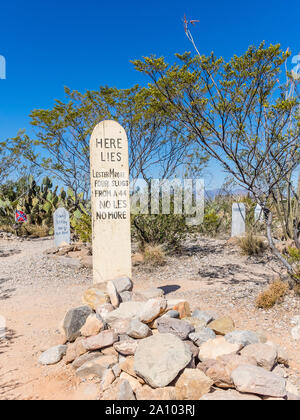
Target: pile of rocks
78,254
141,345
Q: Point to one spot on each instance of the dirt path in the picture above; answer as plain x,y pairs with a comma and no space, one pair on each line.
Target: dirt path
36,292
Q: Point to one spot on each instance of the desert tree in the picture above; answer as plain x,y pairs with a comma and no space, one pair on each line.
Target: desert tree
60,144
237,112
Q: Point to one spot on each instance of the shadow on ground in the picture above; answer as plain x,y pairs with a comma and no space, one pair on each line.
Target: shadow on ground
5,293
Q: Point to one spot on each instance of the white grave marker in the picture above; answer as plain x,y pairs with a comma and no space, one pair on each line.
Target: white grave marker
238,219
61,226
110,202
258,214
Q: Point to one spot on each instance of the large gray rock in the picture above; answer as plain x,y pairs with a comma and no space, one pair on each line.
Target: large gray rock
53,355
138,329
126,310
123,284
74,321
175,326
265,355
203,316
242,337
200,337
256,380
159,358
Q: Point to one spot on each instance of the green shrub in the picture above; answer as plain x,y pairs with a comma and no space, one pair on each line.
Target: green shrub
83,227
294,254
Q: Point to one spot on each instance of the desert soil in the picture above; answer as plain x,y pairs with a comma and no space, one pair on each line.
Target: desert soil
37,291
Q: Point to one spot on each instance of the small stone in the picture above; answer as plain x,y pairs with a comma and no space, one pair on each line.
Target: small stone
230,395
282,356
96,367
126,347
172,314
222,326
147,393
292,389
192,384
278,370
138,330
194,349
107,379
296,332
96,296
74,321
243,337
264,354
128,366
220,370
174,326
126,310
214,348
126,296
152,309
109,351
256,380
262,335
145,295
53,355
184,309
116,369
84,358
93,326
113,294
198,324
120,326
125,392
134,383
295,320
104,339
75,350
104,309
123,284
202,336
159,358
203,316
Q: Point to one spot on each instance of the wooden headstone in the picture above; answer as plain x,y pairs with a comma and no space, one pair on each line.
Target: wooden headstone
110,202
61,221
238,219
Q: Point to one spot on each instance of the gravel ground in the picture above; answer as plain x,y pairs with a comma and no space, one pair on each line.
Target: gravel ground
36,291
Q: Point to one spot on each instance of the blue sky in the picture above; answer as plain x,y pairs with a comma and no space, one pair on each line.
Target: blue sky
85,44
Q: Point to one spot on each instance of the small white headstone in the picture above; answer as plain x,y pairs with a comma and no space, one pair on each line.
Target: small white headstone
238,219
258,214
110,202
61,226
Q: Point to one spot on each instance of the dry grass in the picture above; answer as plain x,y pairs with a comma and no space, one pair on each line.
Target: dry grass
27,229
272,295
251,245
154,255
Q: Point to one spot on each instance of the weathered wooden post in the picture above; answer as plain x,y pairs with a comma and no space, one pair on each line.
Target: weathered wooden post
110,202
